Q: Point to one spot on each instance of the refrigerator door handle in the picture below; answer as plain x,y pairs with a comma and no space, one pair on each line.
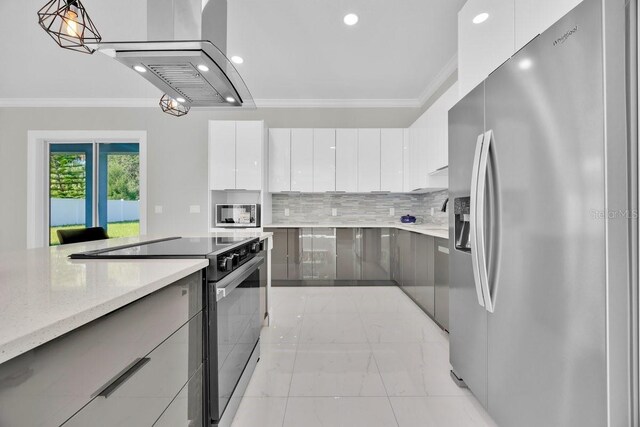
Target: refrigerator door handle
480,220
473,222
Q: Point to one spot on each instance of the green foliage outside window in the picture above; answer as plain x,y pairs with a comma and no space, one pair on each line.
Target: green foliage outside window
124,176
67,176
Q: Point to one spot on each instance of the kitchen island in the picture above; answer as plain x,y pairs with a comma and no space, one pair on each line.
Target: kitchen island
70,329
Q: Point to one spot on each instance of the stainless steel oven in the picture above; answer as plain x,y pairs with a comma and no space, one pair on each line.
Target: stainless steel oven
235,323
237,215
233,315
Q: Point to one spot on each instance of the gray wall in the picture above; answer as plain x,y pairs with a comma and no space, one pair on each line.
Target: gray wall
357,208
177,153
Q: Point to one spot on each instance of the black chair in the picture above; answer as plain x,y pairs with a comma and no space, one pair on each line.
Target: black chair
77,235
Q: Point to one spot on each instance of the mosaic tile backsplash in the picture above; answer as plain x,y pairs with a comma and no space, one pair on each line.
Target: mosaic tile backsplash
358,208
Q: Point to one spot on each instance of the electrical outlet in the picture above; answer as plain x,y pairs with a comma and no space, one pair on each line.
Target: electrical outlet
433,211
334,211
286,211
392,211
158,209
194,209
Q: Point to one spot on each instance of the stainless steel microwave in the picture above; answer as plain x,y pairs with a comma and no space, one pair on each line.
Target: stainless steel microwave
240,216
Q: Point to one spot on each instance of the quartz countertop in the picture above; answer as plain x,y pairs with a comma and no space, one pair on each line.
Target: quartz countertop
426,229
44,294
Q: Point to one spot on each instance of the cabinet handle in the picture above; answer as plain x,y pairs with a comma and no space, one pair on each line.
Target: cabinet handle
443,249
115,382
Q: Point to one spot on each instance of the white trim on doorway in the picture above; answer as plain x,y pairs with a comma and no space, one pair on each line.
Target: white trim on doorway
37,167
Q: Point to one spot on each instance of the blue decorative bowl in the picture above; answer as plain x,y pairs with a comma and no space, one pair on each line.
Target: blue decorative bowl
408,219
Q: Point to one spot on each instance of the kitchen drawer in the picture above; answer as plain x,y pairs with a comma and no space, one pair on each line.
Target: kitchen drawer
140,394
186,408
59,377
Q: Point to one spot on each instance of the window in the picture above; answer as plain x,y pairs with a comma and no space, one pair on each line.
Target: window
84,179
94,184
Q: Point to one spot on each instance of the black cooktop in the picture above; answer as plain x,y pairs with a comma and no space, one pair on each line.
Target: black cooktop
175,247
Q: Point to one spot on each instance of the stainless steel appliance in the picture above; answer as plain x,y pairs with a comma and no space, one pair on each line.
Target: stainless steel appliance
235,215
185,54
233,312
543,266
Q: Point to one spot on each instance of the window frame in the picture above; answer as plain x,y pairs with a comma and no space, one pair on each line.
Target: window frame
38,174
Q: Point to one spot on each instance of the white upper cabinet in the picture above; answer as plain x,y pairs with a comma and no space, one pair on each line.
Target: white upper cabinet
391,160
222,155
279,160
437,125
368,160
302,160
347,160
324,160
532,17
235,155
484,46
511,24
408,155
249,143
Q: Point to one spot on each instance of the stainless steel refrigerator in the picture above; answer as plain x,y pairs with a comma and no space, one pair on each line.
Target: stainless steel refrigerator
543,271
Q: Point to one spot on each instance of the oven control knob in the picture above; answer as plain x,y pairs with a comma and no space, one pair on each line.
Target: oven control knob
225,264
255,248
235,259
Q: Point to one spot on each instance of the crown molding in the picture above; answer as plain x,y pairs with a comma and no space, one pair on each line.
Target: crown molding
433,86
450,67
337,103
79,102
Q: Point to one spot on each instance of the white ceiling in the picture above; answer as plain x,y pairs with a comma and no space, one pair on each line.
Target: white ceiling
296,52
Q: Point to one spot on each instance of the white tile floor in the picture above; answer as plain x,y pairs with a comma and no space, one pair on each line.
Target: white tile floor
350,357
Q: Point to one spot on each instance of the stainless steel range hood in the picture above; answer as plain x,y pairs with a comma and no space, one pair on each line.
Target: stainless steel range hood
184,55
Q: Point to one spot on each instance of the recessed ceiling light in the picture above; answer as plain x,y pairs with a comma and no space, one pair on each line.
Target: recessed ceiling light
140,68
480,18
230,99
351,19
180,100
203,68
525,64
237,59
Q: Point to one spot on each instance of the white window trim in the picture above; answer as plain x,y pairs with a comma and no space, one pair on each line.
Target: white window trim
37,167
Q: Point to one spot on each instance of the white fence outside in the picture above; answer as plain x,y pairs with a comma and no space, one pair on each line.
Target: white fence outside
71,211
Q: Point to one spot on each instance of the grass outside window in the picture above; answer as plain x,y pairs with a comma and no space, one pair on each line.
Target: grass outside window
114,229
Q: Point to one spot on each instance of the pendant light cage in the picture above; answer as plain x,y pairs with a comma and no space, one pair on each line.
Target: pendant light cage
173,107
69,25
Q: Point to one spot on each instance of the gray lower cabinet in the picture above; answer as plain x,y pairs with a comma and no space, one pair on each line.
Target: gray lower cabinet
49,384
279,253
184,410
406,250
286,254
348,254
420,267
424,291
441,273
376,254
138,396
318,253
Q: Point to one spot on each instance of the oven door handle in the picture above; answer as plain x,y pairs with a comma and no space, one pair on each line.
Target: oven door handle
233,280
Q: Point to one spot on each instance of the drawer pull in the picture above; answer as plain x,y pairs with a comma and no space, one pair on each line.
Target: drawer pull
115,382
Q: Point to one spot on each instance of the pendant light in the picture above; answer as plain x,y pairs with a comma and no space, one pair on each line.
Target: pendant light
68,24
173,107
